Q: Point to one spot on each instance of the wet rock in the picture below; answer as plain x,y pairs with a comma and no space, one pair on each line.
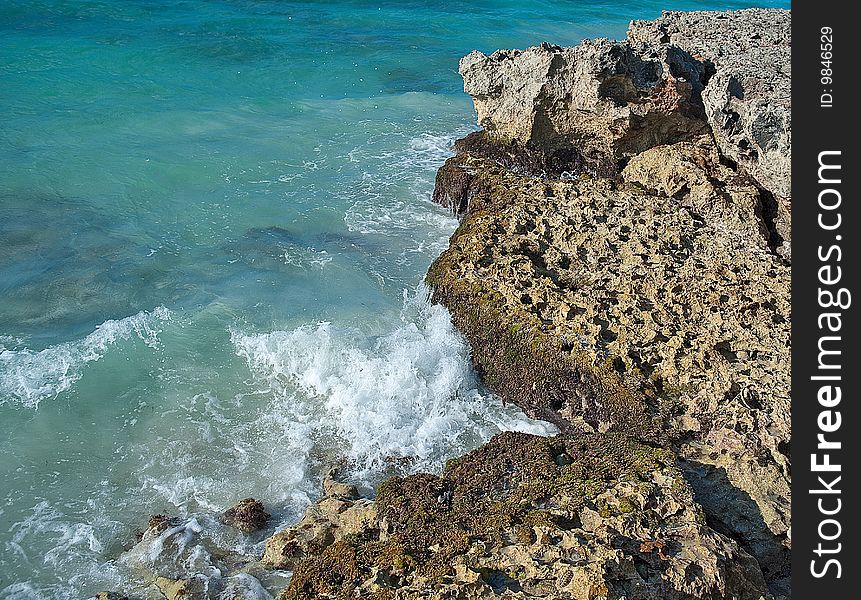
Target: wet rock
111,596
748,96
195,588
332,488
247,515
158,524
339,513
451,188
575,517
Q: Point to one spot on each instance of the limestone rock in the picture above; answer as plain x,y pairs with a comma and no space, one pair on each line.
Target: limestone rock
595,103
748,97
339,513
247,515
691,172
332,488
574,517
602,306
183,589
550,110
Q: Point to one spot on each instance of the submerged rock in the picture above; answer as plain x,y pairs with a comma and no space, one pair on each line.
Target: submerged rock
247,515
574,517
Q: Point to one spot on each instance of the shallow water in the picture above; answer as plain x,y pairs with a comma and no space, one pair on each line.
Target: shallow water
214,222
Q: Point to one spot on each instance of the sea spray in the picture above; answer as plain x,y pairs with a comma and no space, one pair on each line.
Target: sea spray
407,397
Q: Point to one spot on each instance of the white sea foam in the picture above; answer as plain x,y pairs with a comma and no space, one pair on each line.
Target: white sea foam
28,377
75,547
383,211
307,258
408,397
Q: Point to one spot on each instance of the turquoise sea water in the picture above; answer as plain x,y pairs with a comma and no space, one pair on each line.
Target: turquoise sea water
214,222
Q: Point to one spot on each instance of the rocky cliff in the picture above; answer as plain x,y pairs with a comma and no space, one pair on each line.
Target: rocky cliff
623,257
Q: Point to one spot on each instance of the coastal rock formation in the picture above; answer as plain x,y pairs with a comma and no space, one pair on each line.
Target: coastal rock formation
748,98
651,296
198,558
691,172
575,517
593,104
588,109
621,270
338,514
602,305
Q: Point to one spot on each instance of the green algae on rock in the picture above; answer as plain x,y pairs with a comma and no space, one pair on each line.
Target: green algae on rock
575,516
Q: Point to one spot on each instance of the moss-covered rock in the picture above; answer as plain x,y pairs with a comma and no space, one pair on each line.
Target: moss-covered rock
606,305
575,517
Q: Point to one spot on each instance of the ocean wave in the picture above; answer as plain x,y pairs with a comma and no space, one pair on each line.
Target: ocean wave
409,398
27,377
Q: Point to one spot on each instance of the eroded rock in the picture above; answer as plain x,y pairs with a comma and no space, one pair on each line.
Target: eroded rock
575,517
194,588
692,173
604,306
549,110
339,513
593,105
748,99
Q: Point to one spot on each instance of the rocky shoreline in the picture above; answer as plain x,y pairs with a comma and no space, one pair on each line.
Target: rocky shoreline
621,269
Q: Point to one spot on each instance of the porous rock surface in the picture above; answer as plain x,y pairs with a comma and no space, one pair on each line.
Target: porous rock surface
572,517
602,305
748,98
339,513
592,107
651,296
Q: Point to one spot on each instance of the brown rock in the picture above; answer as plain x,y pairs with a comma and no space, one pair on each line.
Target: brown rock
247,515
332,488
339,513
602,306
573,517
691,172
158,524
194,588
